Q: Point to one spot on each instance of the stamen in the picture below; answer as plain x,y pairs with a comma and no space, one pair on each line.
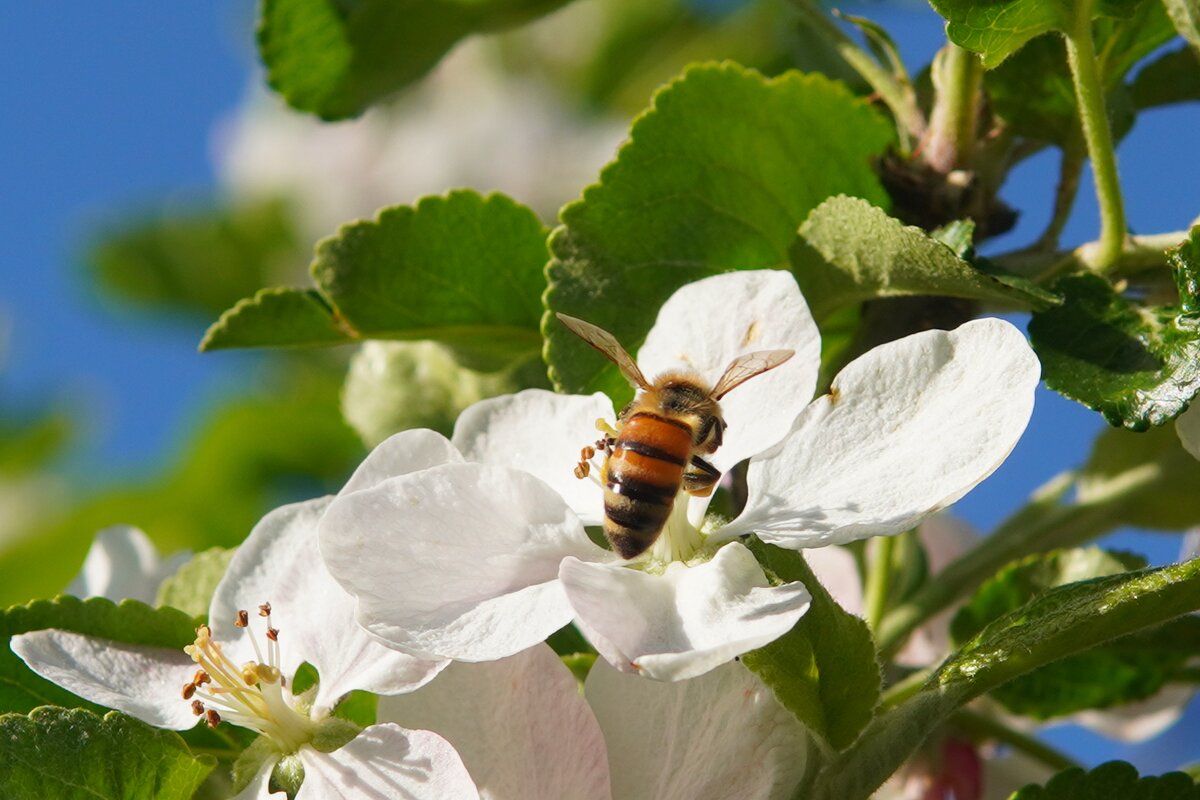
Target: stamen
250,695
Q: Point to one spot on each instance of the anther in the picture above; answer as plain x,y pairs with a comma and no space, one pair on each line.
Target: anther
243,619
197,707
264,610
212,718
273,634
188,690
201,677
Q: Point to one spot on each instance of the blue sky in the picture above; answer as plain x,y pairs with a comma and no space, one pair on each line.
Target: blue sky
111,106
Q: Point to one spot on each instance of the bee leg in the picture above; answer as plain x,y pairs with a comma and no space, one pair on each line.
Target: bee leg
584,467
700,478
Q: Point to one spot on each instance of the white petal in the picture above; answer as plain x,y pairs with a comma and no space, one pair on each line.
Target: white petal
706,324
460,561
280,563
541,433
387,762
122,562
1187,425
907,429
721,735
142,681
837,570
520,725
685,622
405,452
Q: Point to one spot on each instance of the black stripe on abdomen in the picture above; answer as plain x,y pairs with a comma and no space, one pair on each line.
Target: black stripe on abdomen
642,492
650,451
639,517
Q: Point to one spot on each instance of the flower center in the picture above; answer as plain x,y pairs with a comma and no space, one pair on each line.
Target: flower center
680,540
251,695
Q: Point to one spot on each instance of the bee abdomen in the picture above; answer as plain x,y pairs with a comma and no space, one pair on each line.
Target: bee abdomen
642,477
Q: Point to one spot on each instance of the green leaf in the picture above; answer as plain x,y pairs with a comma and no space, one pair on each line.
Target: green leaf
1033,91
850,251
1115,780
201,260
1186,16
278,317
717,176
1132,668
132,622
1138,366
58,753
1173,77
999,28
1171,504
334,58
824,670
1062,621
191,588
464,270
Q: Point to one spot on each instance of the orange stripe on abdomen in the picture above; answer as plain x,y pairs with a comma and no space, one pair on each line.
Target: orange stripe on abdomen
642,477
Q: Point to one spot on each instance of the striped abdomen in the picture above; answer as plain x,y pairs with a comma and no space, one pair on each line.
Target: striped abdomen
642,476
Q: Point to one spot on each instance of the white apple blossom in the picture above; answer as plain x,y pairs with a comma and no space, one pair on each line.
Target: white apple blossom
122,562
496,549
246,668
525,733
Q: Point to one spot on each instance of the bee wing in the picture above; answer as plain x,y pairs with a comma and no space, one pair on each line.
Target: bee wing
607,344
743,368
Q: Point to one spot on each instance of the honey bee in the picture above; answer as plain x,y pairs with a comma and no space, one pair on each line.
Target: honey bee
658,444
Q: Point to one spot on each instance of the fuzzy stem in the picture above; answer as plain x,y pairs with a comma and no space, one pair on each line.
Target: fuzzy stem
1089,95
950,142
899,97
983,726
1064,194
879,577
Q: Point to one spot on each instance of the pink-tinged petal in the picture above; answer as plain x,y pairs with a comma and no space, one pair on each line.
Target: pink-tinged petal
686,621
142,681
944,538
1187,425
907,429
259,787
541,433
721,735
458,561
280,563
121,563
387,762
707,324
520,725
1144,719
400,454
837,570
